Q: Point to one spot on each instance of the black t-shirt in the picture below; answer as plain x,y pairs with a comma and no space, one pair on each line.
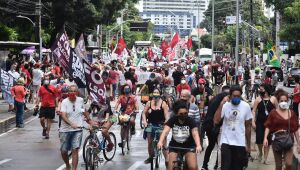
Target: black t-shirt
177,75
182,133
196,91
219,75
247,75
152,85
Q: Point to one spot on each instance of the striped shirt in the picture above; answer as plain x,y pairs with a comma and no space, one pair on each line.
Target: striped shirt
194,112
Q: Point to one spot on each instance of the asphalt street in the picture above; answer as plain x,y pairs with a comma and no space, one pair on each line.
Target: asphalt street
26,149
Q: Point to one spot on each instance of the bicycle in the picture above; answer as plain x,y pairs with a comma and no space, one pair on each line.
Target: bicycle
180,163
157,153
169,95
124,121
93,146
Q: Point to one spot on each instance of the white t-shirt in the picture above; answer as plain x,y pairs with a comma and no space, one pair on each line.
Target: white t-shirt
205,69
37,75
233,128
75,117
15,74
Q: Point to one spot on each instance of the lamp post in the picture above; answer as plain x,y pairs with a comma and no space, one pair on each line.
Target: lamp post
176,22
237,40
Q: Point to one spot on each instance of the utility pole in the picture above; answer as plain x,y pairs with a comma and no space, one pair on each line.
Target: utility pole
237,39
122,15
251,33
213,29
38,8
198,34
277,41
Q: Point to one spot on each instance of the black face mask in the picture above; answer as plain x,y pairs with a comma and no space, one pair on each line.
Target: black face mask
262,93
182,117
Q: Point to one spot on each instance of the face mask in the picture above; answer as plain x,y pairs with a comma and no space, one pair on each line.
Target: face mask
262,93
236,100
183,81
152,78
284,105
61,81
127,91
182,117
72,96
156,97
46,82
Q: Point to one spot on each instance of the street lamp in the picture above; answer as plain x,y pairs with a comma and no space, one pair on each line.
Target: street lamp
40,36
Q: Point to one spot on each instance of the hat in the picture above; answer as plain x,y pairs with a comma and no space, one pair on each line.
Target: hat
201,81
21,81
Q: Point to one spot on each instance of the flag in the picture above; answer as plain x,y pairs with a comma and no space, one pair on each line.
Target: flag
76,69
175,40
189,43
80,48
172,55
6,83
150,54
164,48
61,51
120,46
95,84
272,57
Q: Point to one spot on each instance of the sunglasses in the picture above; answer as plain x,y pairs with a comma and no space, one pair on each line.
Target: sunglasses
184,113
73,108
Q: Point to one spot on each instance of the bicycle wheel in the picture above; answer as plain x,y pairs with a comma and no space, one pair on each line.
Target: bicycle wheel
141,121
110,155
128,137
123,141
157,160
89,158
152,164
86,144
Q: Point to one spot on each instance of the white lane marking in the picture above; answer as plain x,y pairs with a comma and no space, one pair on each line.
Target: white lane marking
13,129
135,165
4,161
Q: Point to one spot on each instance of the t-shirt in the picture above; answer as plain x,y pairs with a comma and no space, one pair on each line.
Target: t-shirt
114,75
74,112
181,87
19,92
194,112
47,98
233,128
107,84
247,75
37,75
182,133
130,107
151,85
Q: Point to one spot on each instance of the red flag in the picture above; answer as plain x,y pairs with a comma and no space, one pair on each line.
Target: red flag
189,43
150,53
172,55
175,40
164,48
120,47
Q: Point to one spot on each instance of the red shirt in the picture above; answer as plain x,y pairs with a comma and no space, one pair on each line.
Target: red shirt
268,81
275,122
114,75
19,92
107,83
48,98
181,87
296,98
130,107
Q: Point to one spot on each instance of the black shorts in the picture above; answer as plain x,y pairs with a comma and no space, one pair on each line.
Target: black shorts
47,112
181,151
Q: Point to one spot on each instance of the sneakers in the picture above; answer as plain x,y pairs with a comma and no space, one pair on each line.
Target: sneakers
110,146
149,160
44,132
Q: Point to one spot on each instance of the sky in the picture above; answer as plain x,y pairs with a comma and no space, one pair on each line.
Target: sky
139,5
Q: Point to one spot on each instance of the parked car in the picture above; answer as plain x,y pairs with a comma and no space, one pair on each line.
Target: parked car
289,76
270,68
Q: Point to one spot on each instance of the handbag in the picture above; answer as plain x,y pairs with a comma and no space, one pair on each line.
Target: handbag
283,141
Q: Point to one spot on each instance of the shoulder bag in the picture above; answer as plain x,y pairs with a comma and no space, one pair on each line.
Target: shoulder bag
283,141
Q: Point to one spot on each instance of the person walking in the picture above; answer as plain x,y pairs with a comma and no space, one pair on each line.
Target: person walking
283,124
236,130
70,133
296,96
19,92
262,106
37,75
48,97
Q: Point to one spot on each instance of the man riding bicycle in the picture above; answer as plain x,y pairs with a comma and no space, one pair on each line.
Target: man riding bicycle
246,80
184,135
129,106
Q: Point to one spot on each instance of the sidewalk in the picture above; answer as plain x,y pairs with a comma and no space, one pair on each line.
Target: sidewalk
7,119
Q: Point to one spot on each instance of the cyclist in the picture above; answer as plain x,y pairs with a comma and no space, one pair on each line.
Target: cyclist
155,114
183,85
151,84
219,79
247,80
129,106
257,81
184,135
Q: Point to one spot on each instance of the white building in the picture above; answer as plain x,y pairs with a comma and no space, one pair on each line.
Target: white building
174,15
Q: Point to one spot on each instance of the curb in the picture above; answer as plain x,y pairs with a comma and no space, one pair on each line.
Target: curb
6,123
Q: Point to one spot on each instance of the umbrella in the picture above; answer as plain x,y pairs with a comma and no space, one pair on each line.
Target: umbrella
31,50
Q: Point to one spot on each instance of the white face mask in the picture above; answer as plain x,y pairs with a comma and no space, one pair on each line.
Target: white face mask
284,105
46,82
183,81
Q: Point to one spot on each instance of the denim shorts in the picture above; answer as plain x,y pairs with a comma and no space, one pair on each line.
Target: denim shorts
70,140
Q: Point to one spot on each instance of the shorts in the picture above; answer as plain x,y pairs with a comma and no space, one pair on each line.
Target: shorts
70,140
180,151
152,129
47,112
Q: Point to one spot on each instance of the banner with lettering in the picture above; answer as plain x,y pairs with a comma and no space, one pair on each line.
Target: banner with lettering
76,69
6,81
94,83
81,50
61,51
